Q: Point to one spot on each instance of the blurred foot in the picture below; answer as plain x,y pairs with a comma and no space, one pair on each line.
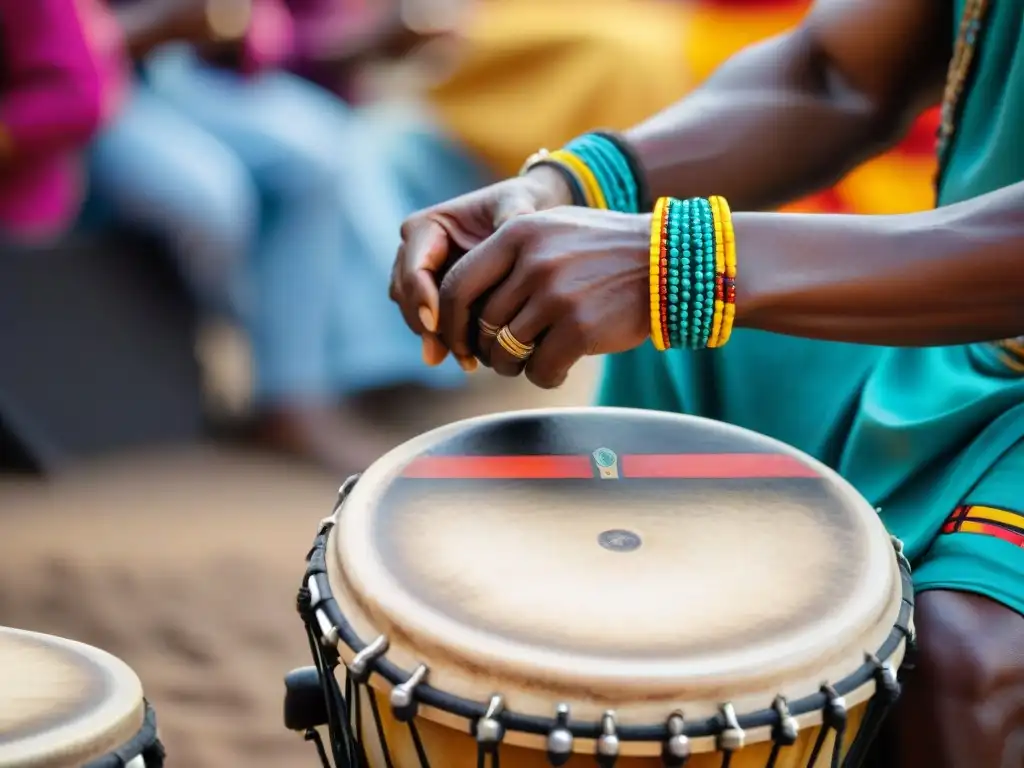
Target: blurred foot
336,439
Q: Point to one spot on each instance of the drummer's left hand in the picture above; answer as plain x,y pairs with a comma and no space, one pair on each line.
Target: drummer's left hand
573,281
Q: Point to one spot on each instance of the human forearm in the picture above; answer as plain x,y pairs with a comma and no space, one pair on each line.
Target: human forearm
772,124
947,276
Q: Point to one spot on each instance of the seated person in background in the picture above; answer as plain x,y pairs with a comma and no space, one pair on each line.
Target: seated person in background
242,167
63,75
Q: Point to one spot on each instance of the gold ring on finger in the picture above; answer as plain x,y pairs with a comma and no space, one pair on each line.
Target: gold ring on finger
487,329
512,345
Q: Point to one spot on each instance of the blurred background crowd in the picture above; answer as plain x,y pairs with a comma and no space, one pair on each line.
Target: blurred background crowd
200,201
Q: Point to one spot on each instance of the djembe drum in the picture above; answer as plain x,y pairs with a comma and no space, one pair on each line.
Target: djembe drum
600,585
67,705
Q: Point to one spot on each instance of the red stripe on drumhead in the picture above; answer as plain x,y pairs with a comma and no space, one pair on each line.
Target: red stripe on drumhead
715,466
499,467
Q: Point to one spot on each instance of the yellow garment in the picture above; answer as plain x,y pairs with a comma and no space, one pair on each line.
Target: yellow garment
536,73
898,182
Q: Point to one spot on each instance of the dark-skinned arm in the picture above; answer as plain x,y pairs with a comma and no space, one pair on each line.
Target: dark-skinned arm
948,276
795,113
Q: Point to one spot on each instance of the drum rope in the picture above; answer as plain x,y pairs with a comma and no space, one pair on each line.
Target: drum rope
418,744
785,732
337,717
482,754
490,722
312,735
833,719
375,708
354,694
887,693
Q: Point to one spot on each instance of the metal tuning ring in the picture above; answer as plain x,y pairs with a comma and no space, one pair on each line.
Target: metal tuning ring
785,732
732,738
887,684
834,714
360,667
403,697
608,741
560,739
489,730
343,492
676,750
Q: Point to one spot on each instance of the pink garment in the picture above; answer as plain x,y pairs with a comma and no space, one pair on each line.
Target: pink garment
270,41
320,24
294,32
323,25
65,72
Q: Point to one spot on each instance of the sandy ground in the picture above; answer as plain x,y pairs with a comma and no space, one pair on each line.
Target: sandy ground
185,564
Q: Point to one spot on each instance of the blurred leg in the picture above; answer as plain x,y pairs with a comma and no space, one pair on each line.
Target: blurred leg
277,127
162,173
287,132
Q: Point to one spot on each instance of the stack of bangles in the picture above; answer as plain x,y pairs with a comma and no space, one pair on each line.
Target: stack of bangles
693,248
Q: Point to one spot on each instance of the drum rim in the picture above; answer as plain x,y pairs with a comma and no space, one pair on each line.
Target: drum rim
365,574
328,625
31,749
145,744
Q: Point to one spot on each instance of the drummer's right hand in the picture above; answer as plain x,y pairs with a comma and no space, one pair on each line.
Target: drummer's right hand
434,238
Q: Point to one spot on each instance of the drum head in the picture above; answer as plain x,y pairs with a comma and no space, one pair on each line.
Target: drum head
613,556
63,703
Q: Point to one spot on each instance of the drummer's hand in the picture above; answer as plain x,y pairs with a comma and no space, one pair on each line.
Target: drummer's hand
575,281
433,238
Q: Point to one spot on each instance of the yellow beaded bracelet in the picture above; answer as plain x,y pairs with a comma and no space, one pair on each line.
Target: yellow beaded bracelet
655,262
729,238
585,176
716,326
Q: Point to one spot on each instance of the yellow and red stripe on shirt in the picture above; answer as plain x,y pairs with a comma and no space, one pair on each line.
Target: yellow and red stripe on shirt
1001,523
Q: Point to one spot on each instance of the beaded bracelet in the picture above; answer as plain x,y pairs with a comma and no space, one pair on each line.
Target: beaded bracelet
592,188
575,188
608,175
636,168
692,273
729,278
658,331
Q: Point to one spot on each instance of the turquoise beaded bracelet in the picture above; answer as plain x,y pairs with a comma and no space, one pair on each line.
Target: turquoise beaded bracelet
612,170
690,273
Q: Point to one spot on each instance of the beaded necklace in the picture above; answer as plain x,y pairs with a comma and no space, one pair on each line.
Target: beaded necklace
964,50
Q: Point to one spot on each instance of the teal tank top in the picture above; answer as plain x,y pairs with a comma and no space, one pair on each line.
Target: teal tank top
987,151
